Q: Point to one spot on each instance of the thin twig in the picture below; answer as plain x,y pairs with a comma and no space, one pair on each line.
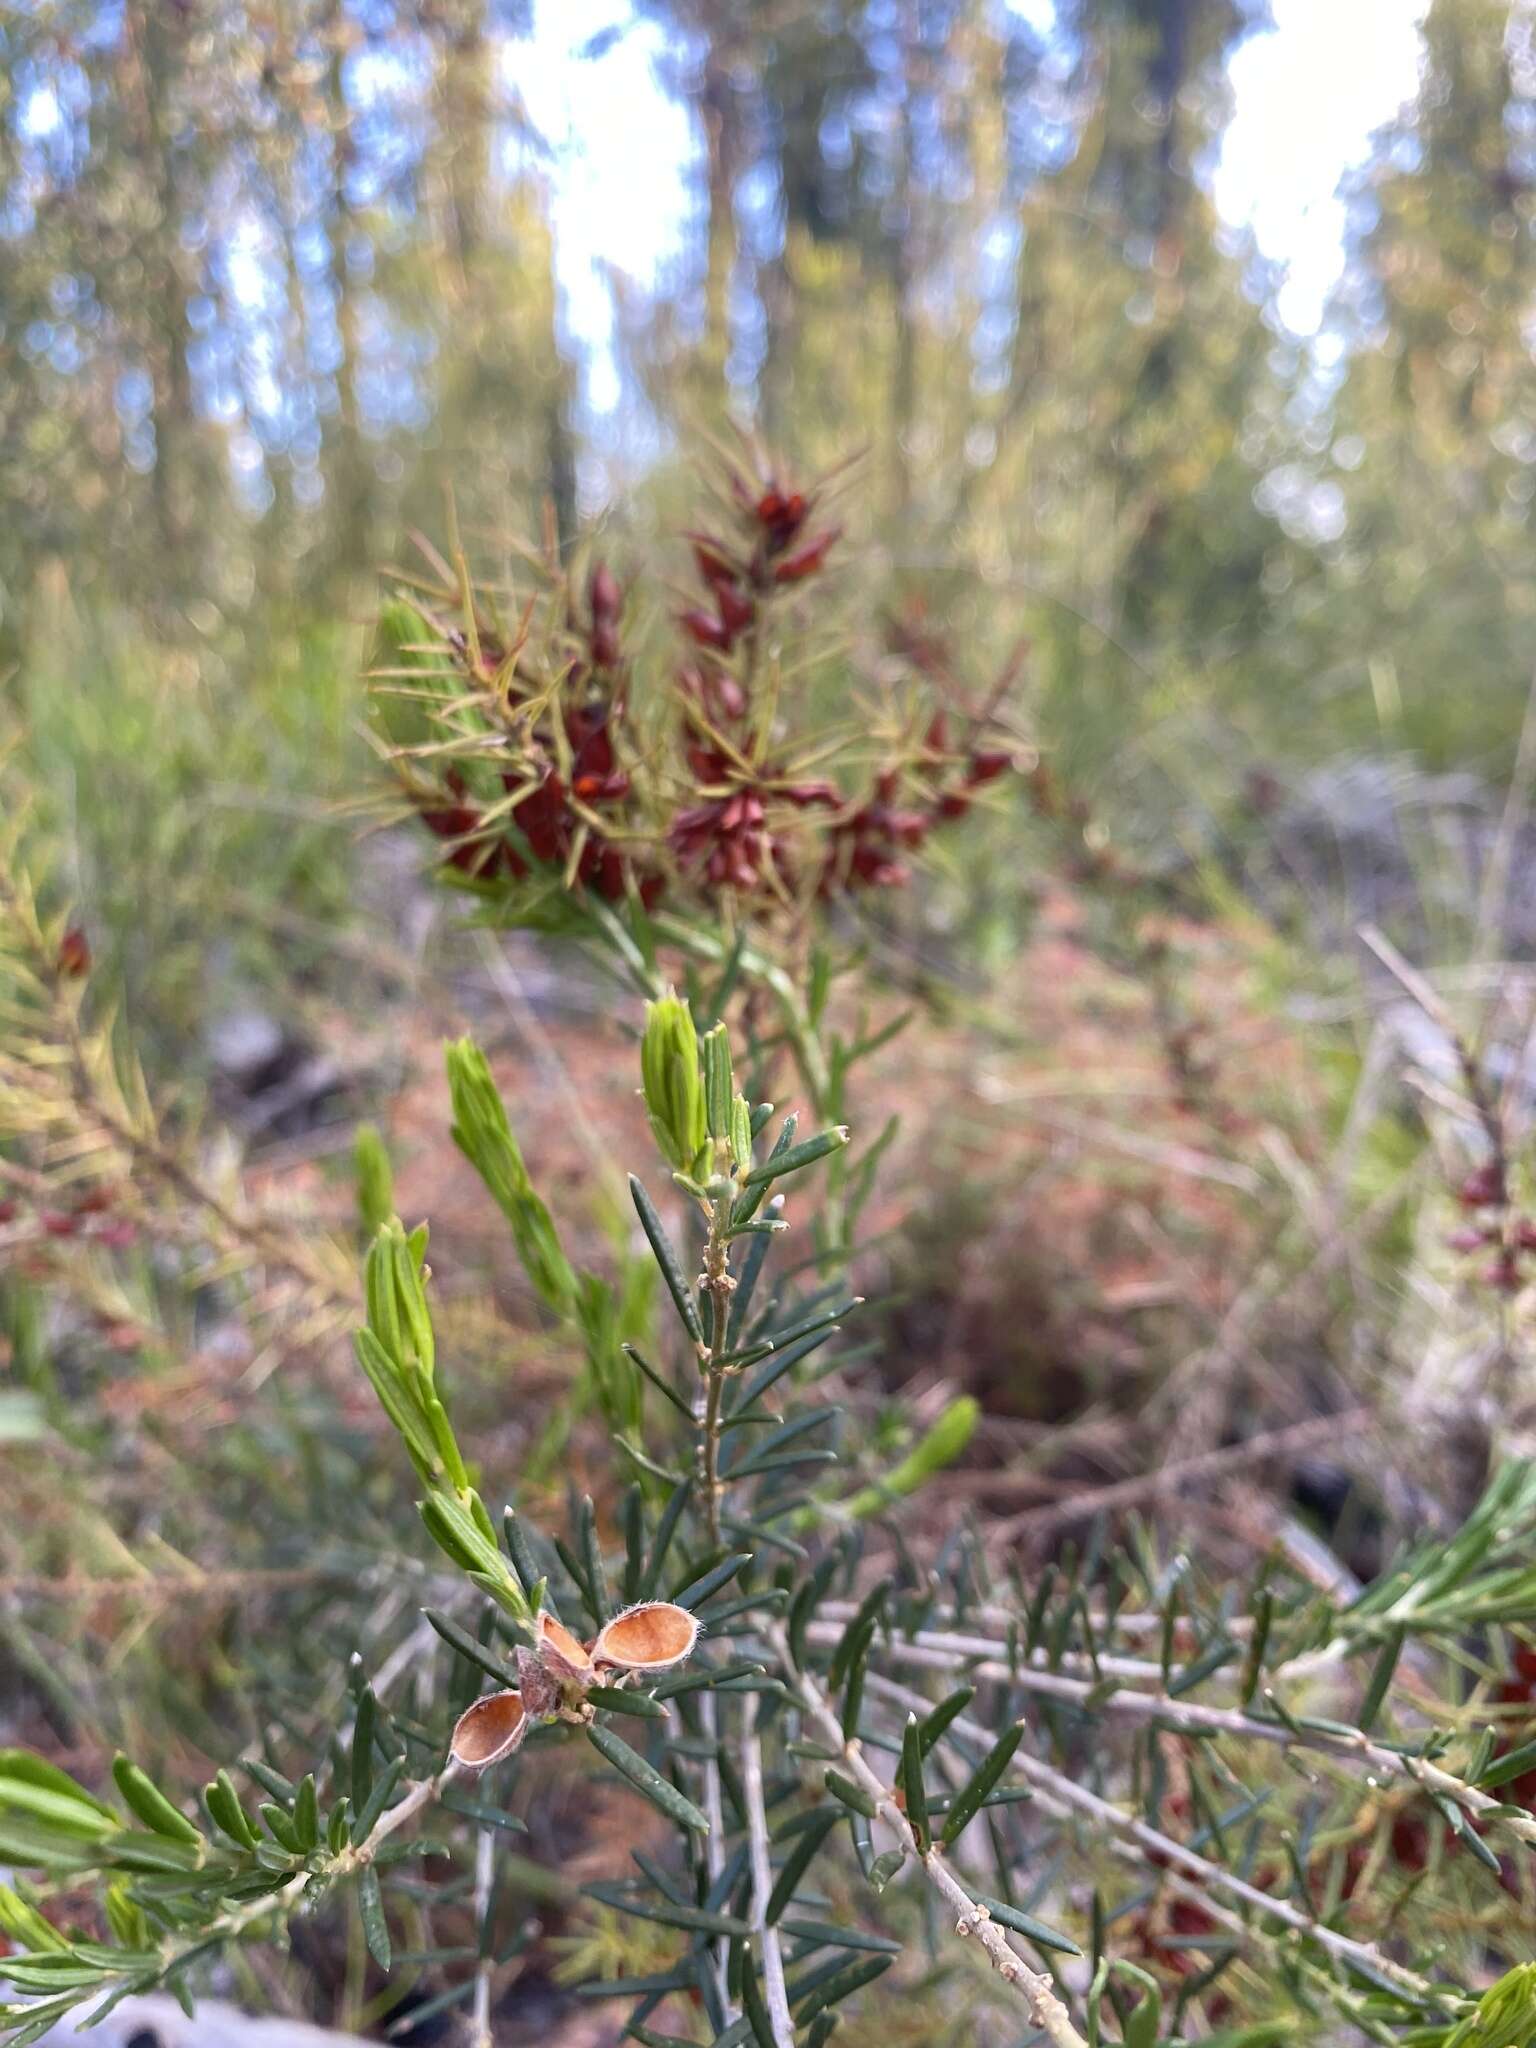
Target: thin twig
1161,1849
1046,2010
767,1937
714,1841
485,1870
1191,1718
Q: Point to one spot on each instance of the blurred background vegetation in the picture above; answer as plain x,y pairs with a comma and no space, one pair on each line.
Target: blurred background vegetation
275,275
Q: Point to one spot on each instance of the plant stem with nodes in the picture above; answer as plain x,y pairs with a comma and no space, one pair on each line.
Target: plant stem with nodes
1046,2010
1062,1795
717,1282
1191,1718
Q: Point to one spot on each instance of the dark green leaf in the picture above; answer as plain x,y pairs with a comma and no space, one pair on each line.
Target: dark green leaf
968,1801
648,1781
799,1859
375,1926
667,1260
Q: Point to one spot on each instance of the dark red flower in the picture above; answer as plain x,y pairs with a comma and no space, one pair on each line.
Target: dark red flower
707,630
807,560
1484,1187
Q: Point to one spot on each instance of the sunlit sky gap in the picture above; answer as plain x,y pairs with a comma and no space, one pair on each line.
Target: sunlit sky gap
624,165
620,154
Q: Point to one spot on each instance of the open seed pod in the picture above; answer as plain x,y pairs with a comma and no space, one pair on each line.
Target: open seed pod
490,1730
540,1689
561,1654
651,1637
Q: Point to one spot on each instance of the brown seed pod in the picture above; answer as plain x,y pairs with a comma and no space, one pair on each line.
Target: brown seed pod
540,1690
561,1654
490,1730
651,1637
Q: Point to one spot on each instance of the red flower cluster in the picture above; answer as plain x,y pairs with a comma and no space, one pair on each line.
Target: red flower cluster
739,824
559,813
867,842
732,835
1510,1238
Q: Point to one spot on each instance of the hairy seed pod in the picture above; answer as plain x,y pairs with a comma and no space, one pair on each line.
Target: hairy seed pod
490,1730
562,1656
651,1637
541,1691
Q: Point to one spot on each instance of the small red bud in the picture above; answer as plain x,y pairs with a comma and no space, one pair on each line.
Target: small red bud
807,560
7,1213
987,766
74,957
1504,1274
736,611
57,1224
781,515
707,630
1483,1187
712,565
604,595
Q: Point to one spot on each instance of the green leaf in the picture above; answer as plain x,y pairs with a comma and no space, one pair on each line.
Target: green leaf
306,1815
932,1728
741,1135
912,1786
694,1919
29,1785
797,1156
226,1812
363,1726
617,1700
701,1589
659,1381
850,1794
1513,1765
369,1816
1381,1678
667,1260
842,1986
25,1924
145,1799
827,1935
1141,2028
969,1799
375,1926
799,1860
719,1082
648,1781
1032,1929
375,1180
280,1827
